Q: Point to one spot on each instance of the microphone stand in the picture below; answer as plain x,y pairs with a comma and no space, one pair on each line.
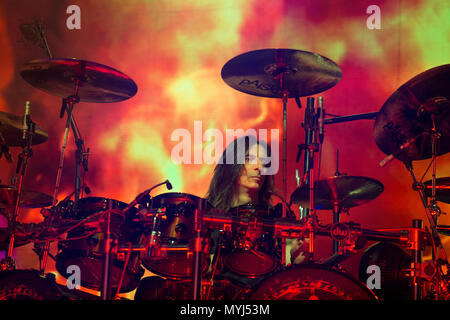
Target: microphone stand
67,107
432,212
22,163
310,125
107,248
198,240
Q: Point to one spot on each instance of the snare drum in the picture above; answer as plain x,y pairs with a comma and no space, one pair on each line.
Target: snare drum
83,246
250,248
171,256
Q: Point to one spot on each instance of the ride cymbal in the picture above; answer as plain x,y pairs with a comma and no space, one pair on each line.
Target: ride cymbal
97,83
344,191
303,73
408,114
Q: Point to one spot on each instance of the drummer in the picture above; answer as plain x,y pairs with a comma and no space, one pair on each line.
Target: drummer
238,180
238,183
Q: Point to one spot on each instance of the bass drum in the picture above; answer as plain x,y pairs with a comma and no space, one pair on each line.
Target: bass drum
83,247
311,282
26,285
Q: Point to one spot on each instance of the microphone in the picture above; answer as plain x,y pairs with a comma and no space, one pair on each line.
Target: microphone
144,194
25,120
389,158
320,120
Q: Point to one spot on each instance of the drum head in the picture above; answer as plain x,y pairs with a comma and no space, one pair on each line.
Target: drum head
311,282
250,263
26,285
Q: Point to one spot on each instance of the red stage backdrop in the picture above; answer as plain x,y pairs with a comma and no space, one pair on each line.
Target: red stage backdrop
175,50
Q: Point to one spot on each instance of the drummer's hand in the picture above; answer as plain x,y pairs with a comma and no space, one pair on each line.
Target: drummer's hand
299,250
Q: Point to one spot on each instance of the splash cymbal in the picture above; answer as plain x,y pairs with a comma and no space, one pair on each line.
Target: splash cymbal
97,83
408,113
344,191
304,73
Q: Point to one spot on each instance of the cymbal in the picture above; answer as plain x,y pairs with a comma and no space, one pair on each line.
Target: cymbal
98,83
407,114
304,73
11,128
345,191
29,198
442,189
5,235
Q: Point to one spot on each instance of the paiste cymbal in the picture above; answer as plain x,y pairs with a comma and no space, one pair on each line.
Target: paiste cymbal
442,189
407,114
11,129
28,199
304,73
345,191
98,83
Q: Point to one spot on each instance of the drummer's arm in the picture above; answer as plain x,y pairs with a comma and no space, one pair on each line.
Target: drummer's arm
298,251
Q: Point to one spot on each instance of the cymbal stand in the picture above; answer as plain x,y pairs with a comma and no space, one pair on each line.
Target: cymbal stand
67,106
106,293
198,250
279,74
22,163
81,161
432,210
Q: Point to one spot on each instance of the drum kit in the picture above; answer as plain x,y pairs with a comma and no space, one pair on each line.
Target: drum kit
171,235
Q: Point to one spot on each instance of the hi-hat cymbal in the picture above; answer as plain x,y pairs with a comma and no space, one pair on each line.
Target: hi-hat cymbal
98,83
304,73
11,129
408,114
28,199
343,191
442,189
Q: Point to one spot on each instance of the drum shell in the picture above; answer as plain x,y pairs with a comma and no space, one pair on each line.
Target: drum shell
251,249
311,282
86,249
393,262
172,255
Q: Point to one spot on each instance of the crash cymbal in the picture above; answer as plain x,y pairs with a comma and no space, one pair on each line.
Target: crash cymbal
345,191
29,199
407,114
98,83
442,189
11,129
304,73
5,235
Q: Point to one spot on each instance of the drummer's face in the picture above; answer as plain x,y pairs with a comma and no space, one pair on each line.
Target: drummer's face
251,177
